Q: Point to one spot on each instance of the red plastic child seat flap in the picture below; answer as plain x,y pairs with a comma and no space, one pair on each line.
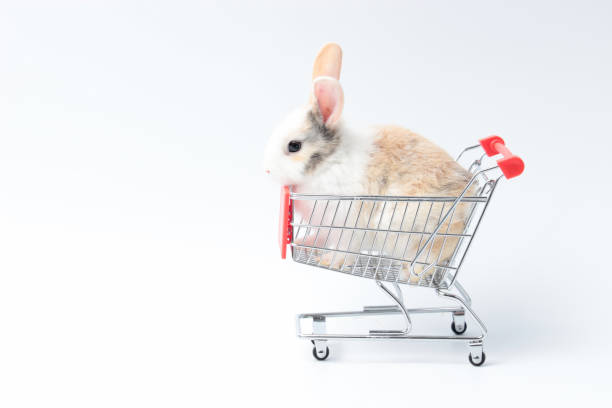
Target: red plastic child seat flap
284,224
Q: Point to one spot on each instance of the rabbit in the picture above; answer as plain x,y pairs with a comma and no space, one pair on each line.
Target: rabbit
315,151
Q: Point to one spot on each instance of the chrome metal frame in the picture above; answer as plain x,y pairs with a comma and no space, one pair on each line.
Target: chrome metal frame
319,243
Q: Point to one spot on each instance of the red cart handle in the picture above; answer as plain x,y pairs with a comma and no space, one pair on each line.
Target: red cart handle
511,165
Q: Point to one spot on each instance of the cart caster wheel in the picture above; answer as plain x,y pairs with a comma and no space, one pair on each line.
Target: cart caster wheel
478,363
324,356
454,329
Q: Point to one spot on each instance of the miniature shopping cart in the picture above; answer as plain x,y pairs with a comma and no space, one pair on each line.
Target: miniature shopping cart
395,241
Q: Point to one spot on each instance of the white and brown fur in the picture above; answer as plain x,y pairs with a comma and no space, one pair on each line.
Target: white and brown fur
337,159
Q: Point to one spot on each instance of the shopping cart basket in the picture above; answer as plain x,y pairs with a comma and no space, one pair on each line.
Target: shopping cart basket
414,241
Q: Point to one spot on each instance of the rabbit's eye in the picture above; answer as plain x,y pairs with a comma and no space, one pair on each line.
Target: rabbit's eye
294,146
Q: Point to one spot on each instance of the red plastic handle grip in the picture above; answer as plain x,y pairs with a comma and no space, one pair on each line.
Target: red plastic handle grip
511,165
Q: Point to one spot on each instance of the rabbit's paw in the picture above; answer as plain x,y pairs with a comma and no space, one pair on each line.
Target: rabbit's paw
332,260
415,276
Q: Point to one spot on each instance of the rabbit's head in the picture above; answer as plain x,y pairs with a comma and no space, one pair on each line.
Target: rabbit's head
310,134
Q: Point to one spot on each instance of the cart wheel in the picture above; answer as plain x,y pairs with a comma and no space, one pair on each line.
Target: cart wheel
323,357
479,363
457,331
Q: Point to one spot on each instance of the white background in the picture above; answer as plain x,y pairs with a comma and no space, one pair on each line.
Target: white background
138,255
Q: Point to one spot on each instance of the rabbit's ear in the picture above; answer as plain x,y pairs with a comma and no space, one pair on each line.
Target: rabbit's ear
328,62
329,99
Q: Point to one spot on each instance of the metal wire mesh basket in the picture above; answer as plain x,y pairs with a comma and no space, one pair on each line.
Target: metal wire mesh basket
411,240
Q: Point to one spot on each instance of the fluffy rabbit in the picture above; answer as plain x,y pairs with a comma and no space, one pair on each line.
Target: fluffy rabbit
315,151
